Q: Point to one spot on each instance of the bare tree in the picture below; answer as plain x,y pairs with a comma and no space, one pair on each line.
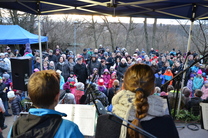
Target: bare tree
146,35
154,32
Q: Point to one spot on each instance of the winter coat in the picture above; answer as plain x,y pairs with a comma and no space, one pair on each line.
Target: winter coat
112,91
64,68
197,82
54,125
204,89
110,62
178,69
16,105
80,71
52,58
193,105
78,94
154,68
62,82
3,95
190,84
159,80
106,78
168,75
37,65
71,66
110,85
92,65
121,70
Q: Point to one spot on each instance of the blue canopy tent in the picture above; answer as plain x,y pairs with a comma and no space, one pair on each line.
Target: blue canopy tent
170,9
14,34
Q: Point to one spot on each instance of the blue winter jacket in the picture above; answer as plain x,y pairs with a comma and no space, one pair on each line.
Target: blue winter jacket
198,82
67,129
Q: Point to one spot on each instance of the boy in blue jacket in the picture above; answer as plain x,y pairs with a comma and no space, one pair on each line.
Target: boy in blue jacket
44,121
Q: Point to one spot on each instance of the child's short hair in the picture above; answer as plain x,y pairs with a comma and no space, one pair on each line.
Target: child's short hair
198,93
116,83
186,92
170,87
43,87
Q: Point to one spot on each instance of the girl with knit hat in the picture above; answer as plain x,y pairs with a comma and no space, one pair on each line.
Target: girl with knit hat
106,77
137,104
101,86
198,81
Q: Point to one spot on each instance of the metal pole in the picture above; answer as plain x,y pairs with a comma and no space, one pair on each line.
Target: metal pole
185,65
75,37
40,46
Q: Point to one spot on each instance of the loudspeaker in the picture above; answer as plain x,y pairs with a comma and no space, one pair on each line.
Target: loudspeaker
21,71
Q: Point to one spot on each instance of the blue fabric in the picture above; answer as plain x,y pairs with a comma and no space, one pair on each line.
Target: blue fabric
198,82
171,9
14,34
61,82
167,77
67,129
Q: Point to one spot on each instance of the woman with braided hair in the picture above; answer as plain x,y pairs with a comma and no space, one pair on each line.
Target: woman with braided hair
137,104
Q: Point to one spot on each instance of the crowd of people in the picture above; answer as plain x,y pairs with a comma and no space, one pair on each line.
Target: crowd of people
106,69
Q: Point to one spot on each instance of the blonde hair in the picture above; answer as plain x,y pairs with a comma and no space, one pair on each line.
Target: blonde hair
139,78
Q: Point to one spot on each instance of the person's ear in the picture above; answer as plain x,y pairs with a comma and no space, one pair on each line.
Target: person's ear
57,98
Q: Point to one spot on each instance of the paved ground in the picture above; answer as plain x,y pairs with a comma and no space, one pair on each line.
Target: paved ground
183,132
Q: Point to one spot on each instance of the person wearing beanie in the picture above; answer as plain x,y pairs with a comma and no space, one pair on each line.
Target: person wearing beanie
101,86
79,92
106,77
204,89
15,102
121,69
198,81
190,83
69,97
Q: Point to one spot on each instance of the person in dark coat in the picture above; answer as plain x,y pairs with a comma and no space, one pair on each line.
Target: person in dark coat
112,91
15,101
193,104
85,55
93,63
64,67
3,96
51,56
122,67
80,70
109,60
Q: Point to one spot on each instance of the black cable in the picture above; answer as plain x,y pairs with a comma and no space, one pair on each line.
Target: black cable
193,127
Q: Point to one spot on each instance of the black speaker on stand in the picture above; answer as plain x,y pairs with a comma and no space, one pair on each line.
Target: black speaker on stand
21,71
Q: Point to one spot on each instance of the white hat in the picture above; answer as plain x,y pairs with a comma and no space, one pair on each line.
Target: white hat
10,94
58,71
79,85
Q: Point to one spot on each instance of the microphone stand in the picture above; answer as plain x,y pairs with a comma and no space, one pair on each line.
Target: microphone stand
88,91
137,129
178,76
